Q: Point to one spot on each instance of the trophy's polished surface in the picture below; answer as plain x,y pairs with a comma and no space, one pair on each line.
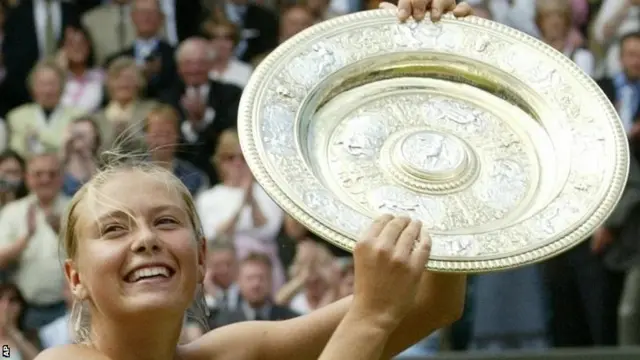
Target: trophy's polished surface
506,151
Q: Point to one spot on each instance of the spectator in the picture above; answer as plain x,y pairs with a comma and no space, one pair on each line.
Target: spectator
85,82
623,89
220,287
32,33
161,134
182,20
617,241
207,107
23,344
293,234
222,272
239,207
39,126
124,115
312,276
554,20
258,27
28,241
114,16
226,68
56,333
293,20
518,14
615,18
12,172
254,302
321,10
153,55
80,154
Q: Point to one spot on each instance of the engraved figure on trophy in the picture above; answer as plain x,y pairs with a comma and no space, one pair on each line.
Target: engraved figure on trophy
394,200
358,179
432,153
321,201
462,245
277,130
315,64
544,221
504,187
407,36
362,136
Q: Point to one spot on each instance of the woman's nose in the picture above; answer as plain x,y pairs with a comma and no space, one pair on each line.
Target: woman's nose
146,241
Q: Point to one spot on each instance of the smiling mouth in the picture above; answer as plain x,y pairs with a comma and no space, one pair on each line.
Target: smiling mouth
150,273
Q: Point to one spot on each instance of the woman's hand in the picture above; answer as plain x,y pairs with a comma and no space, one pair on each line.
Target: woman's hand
417,9
389,262
246,183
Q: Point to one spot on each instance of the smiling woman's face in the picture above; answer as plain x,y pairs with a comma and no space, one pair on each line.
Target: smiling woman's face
136,247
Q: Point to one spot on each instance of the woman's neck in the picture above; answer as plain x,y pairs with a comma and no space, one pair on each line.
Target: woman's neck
163,159
156,339
80,168
77,69
124,102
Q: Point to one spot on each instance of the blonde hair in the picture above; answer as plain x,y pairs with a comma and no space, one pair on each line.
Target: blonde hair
167,112
122,63
47,64
80,321
228,141
563,7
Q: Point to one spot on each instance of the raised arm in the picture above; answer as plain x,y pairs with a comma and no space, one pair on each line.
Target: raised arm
438,302
384,295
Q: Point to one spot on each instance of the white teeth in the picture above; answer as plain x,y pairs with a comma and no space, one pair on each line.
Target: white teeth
149,272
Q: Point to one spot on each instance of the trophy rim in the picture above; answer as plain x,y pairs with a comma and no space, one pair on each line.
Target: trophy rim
247,129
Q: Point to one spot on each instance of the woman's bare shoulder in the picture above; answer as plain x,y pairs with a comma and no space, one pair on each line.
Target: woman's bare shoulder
71,352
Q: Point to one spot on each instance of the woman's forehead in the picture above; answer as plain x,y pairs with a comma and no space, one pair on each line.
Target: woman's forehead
132,192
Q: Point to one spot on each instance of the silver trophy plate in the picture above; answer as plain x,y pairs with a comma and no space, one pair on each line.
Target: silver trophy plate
504,148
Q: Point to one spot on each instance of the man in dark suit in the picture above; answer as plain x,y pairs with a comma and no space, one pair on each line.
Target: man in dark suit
618,240
154,55
623,90
586,282
207,107
258,28
32,32
182,19
254,301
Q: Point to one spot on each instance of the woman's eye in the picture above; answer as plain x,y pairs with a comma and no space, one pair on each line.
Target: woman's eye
112,229
166,221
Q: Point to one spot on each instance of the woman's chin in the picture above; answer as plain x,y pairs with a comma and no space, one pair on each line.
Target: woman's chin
150,303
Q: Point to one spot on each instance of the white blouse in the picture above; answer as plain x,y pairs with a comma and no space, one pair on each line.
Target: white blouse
237,73
85,92
300,304
219,204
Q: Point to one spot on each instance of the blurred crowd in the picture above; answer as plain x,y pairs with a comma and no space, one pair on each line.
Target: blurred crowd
165,80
